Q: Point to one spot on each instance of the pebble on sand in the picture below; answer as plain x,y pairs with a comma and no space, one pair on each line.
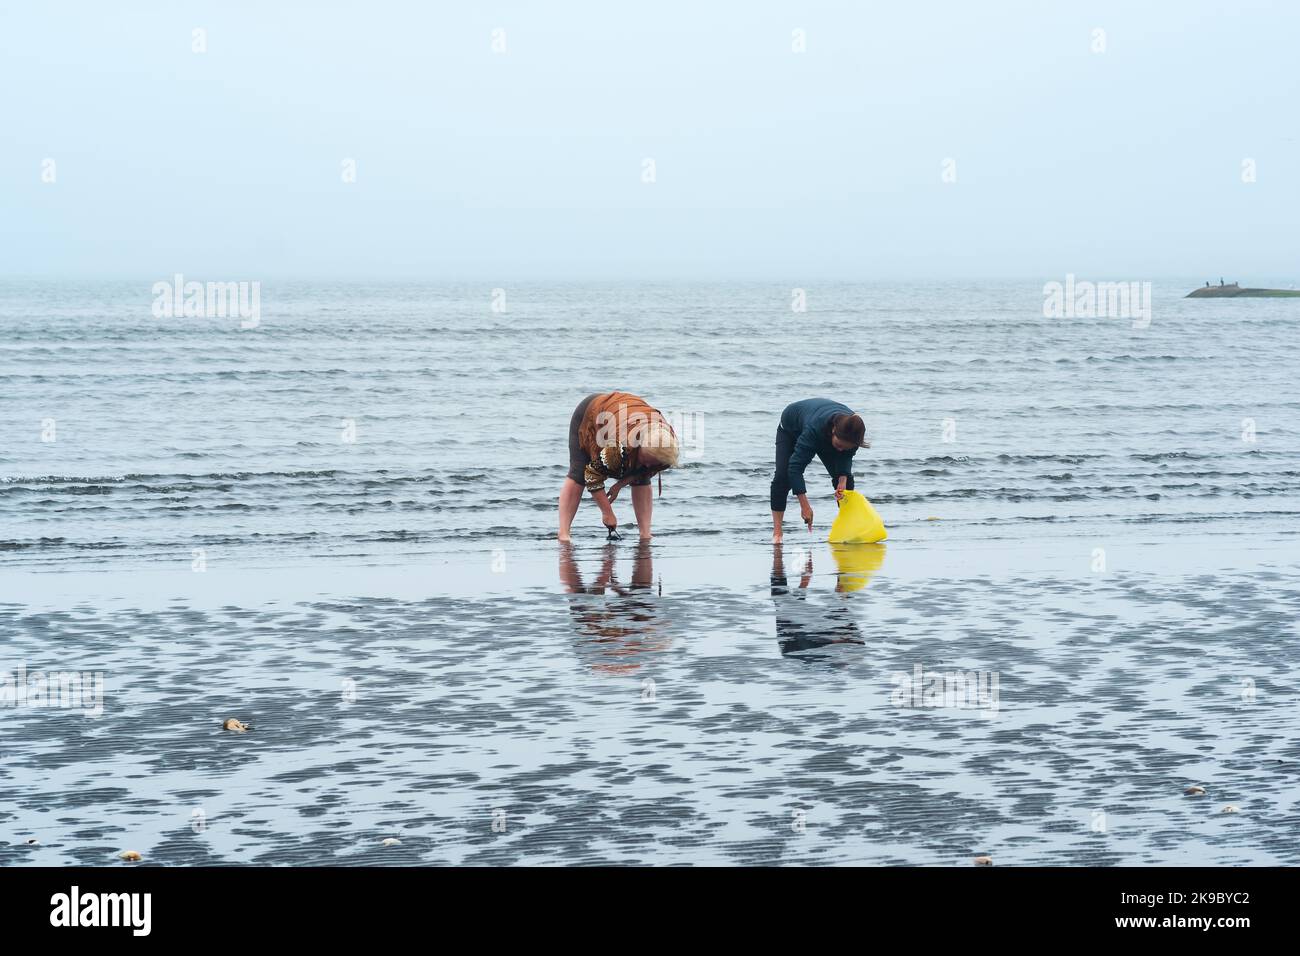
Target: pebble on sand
392,841
1196,791
983,861
131,856
1230,809
235,724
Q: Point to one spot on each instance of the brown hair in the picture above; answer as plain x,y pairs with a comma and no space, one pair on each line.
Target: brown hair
851,429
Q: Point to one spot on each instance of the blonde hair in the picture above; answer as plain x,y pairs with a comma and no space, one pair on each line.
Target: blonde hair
657,442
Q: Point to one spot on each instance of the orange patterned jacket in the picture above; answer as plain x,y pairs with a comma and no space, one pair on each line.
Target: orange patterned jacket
603,437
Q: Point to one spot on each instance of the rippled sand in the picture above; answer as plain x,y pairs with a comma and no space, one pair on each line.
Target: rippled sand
613,709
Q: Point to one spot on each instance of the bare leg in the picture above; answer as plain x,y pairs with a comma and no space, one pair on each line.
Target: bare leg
643,568
606,577
781,481
643,501
570,576
570,498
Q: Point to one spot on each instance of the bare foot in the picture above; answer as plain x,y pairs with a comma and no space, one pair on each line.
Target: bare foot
776,537
646,537
563,538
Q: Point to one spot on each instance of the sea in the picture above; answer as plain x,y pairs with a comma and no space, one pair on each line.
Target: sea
333,518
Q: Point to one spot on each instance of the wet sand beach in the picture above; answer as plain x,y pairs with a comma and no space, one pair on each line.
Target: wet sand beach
614,704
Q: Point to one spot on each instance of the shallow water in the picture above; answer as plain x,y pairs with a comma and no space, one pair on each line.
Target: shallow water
418,661
179,433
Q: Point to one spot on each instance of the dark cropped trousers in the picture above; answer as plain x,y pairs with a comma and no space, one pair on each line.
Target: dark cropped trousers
781,480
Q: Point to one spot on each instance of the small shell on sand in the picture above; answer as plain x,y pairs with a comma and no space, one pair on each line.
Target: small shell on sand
130,856
1196,791
392,841
1230,809
932,518
983,861
235,724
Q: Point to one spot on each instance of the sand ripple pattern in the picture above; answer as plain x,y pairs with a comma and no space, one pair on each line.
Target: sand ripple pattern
534,710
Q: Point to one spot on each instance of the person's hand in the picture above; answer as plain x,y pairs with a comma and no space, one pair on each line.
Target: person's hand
609,518
614,489
839,494
806,512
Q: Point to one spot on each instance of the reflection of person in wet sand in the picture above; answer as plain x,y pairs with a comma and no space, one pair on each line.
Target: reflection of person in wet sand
803,625
617,624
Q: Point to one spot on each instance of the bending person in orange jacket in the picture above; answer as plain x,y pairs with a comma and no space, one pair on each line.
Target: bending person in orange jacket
615,435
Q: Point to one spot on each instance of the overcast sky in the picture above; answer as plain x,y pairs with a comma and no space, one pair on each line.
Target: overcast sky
767,163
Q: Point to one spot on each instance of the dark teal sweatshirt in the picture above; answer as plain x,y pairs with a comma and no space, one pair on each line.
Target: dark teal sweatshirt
809,421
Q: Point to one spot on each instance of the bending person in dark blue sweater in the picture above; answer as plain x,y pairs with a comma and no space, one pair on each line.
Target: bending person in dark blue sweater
815,426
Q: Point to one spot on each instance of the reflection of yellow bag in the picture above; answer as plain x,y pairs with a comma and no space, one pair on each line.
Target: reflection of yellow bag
857,522
856,563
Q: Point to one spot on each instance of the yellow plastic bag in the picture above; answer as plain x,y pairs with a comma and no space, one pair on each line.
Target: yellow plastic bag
857,522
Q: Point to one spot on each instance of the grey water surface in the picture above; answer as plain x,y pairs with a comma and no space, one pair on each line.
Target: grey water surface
338,526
